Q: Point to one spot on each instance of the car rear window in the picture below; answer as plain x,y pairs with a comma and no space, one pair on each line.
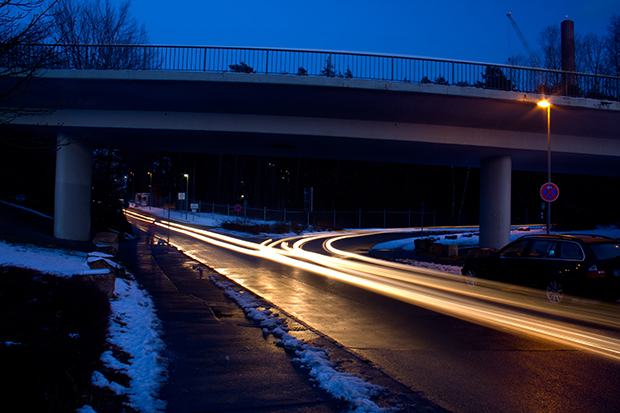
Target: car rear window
570,251
606,251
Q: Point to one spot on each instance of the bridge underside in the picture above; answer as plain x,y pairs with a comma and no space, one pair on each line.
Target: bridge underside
325,117
345,148
293,116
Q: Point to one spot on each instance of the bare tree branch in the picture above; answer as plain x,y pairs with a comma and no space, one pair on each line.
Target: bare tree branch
107,29
22,24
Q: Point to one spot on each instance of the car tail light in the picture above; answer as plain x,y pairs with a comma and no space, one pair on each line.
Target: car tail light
594,272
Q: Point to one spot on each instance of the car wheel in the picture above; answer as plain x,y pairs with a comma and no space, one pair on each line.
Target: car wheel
555,292
471,277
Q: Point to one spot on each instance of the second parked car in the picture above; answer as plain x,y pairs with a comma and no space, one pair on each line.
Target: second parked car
579,265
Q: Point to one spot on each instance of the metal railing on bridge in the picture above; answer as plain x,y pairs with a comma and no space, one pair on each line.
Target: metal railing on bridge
286,62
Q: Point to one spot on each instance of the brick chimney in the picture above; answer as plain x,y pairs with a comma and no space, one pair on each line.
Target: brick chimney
568,55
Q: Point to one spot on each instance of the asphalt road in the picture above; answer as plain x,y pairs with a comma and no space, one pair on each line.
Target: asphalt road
460,365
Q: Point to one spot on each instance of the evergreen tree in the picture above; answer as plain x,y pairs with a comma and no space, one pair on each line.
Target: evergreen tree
494,78
329,70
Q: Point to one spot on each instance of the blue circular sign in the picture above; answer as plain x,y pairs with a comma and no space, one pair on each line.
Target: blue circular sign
549,192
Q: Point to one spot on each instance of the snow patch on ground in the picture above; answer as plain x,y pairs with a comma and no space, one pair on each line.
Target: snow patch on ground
452,269
343,386
134,327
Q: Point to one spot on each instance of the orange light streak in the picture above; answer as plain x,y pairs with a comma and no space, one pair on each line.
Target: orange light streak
435,290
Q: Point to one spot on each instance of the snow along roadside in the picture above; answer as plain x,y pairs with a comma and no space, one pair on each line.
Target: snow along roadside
134,328
343,386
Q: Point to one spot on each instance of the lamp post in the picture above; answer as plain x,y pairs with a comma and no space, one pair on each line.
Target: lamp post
546,105
187,196
151,190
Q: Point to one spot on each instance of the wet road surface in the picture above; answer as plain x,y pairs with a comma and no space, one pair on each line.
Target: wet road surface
460,365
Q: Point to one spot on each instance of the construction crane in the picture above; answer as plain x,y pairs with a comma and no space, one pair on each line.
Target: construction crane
527,47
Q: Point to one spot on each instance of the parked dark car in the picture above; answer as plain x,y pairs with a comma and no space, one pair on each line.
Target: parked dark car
579,265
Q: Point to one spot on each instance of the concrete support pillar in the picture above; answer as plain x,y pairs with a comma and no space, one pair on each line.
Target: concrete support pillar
73,190
495,189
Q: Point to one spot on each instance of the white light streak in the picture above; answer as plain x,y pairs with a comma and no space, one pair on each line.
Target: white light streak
438,291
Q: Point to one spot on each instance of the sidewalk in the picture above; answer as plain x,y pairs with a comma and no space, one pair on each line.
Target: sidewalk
218,359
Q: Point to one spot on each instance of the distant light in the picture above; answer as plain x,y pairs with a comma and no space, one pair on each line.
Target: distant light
544,104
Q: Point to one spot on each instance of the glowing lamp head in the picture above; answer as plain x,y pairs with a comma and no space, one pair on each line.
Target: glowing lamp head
544,104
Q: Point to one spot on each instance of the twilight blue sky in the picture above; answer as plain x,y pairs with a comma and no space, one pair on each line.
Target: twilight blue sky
475,30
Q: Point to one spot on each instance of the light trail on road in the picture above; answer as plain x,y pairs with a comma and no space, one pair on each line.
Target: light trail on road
438,291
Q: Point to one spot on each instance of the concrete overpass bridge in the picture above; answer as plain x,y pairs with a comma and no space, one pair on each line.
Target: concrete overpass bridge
392,113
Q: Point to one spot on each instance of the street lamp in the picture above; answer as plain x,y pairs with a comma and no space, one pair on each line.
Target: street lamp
546,105
187,196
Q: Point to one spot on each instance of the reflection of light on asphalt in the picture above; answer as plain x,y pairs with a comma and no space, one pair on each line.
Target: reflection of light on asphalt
435,290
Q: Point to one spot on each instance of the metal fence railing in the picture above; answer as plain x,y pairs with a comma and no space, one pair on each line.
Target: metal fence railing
319,219
332,64
324,219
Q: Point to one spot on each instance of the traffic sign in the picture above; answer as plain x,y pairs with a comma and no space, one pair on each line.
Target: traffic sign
549,192
238,208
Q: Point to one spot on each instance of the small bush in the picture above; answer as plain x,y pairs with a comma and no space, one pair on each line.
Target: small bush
242,68
256,229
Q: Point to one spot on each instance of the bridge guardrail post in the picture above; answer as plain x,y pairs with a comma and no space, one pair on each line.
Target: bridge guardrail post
452,82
